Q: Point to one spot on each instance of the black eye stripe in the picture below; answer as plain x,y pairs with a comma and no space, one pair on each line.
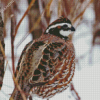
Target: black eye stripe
65,25
51,29
66,29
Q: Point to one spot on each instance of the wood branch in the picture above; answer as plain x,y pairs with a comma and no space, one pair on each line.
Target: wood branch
2,46
74,92
12,41
29,7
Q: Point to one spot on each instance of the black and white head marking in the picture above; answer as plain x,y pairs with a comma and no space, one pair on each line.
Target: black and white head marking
58,24
61,27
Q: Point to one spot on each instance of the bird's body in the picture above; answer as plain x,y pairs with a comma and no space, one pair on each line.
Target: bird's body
46,67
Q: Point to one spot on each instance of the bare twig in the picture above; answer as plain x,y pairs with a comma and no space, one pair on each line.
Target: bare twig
35,25
81,14
12,42
74,92
14,79
30,98
32,2
2,45
59,8
18,87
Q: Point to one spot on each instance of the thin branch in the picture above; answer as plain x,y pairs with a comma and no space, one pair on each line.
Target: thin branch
12,42
14,79
81,14
30,97
35,25
2,45
39,19
31,4
2,50
74,92
18,87
59,8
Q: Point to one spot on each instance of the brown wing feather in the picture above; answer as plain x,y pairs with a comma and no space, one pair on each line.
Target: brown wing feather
55,68
48,62
23,52
28,61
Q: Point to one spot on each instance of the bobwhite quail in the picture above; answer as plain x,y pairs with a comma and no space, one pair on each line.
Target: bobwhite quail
46,65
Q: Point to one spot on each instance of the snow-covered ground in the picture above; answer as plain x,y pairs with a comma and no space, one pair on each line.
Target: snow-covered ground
87,74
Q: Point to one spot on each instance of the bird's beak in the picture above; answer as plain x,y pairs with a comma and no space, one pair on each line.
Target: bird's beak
72,28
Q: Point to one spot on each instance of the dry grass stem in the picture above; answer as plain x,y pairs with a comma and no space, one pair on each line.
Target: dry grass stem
12,42
36,23
81,14
32,2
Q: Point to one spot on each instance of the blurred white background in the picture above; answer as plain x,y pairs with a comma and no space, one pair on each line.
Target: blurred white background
87,73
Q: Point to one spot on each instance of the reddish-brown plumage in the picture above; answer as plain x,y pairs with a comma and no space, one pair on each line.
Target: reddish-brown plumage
63,78
45,67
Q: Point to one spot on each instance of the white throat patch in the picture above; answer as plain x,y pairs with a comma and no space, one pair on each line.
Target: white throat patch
59,24
65,33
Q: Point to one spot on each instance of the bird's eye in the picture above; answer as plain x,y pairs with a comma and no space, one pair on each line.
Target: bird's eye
64,26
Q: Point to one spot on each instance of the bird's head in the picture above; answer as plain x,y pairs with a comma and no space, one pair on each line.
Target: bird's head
61,27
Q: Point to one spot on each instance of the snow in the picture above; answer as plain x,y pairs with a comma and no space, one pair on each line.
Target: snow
87,74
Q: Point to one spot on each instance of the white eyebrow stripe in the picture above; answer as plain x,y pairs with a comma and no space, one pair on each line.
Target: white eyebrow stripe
61,24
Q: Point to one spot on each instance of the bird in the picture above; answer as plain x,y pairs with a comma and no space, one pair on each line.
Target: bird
47,65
